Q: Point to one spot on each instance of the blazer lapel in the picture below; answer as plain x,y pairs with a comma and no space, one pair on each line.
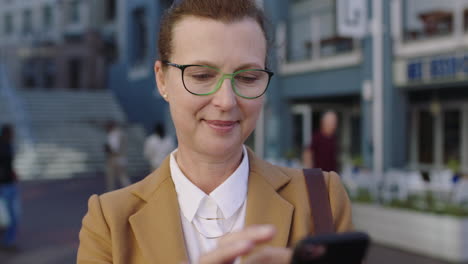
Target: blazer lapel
157,226
264,204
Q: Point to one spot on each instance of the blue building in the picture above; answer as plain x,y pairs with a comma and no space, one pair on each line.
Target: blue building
132,76
411,69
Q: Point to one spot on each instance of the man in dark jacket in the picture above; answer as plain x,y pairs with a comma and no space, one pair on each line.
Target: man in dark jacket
323,150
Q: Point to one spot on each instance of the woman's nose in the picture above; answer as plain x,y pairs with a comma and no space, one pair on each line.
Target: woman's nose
225,98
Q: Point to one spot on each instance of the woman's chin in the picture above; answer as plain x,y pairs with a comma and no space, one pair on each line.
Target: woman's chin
221,148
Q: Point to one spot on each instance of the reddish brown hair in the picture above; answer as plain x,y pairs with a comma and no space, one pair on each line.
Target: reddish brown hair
223,10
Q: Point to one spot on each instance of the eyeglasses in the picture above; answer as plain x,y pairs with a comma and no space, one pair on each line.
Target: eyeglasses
206,80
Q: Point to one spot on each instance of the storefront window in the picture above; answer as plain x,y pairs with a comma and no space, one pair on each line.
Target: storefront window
424,19
298,136
356,137
426,138
452,138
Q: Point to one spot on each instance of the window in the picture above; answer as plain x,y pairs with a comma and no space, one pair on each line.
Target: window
110,10
47,17
140,46
452,137
164,4
74,12
426,138
27,21
439,137
424,19
465,14
28,73
8,24
49,72
356,136
74,73
313,32
298,132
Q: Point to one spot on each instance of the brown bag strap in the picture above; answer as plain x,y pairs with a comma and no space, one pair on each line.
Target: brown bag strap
319,201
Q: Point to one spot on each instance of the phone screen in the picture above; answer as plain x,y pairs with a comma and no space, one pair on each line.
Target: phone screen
349,248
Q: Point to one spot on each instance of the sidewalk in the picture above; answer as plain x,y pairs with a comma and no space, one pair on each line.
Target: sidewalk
52,213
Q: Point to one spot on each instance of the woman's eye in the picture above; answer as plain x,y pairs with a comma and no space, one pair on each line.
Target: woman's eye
202,76
247,79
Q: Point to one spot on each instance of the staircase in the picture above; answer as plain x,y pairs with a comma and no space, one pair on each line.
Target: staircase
69,132
60,134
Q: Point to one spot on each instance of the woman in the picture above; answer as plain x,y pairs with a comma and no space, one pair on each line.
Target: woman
8,188
206,201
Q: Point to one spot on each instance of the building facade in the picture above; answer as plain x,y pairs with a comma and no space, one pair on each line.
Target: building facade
58,43
400,90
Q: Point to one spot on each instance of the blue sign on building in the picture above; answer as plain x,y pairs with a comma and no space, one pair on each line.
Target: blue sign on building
414,71
448,67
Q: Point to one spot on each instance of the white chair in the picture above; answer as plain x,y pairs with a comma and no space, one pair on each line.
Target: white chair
441,181
394,185
415,183
460,193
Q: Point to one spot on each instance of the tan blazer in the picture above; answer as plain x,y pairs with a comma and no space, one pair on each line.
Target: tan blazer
141,224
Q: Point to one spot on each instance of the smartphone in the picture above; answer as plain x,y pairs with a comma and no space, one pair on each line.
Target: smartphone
337,248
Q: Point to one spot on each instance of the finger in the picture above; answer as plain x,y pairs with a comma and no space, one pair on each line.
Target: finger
270,255
228,253
256,234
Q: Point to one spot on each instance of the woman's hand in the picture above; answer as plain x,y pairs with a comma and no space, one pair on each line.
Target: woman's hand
242,243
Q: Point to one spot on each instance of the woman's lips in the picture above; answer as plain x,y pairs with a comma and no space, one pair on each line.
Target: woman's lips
221,126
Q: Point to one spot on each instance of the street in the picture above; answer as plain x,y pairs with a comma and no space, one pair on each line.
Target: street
51,218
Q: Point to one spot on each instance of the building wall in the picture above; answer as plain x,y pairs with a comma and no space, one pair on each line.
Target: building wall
133,81
311,72
48,49
340,81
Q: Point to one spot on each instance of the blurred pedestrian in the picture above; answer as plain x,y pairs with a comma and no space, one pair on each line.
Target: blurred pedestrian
323,151
116,151
158,146
8,187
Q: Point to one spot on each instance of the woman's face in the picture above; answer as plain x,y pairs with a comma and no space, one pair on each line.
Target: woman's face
216,124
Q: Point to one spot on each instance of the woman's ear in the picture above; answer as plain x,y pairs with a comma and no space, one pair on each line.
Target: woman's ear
160,79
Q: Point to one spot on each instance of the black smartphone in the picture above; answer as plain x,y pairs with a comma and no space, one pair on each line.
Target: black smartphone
337,248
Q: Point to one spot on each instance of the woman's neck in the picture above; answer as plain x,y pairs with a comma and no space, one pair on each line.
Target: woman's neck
207,172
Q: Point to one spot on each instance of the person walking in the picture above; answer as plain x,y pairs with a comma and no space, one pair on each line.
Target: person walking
8,187
157,146
323,150
116,151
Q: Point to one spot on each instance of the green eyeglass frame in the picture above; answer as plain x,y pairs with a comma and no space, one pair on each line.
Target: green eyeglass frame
224,76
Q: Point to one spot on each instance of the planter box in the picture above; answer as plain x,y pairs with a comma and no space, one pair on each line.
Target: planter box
442,237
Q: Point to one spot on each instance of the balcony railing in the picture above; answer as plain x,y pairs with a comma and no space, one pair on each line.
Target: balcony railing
309,38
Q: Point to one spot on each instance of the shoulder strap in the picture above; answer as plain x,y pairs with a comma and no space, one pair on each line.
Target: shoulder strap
319,201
